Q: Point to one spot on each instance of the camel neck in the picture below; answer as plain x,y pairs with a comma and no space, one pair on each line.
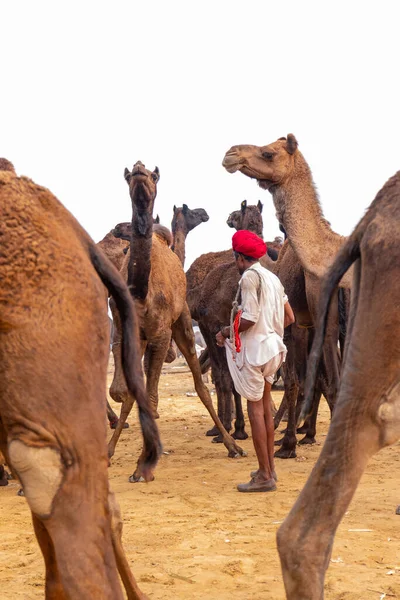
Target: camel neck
299,211
179,244
139,265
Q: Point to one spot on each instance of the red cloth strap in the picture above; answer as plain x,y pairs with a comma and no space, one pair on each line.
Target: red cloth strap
236,335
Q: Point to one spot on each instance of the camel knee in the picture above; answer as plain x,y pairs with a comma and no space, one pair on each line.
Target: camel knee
389,416
40,471
115,512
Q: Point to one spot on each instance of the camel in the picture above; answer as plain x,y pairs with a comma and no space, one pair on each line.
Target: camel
281,168
183,221
54,348
157,283
115,245
367,414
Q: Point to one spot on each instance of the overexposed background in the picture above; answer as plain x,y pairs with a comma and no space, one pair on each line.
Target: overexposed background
90,88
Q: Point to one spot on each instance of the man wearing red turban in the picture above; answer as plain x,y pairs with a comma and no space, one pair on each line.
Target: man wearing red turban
256,350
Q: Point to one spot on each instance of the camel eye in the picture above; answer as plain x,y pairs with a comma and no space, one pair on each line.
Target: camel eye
154,176
268,155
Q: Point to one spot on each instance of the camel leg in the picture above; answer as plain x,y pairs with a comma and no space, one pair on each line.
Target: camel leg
131,587
280,412
306,537
182,332
311,422
289,441
156,353
224,395
125,412
239,433
113,417
67,491
53,587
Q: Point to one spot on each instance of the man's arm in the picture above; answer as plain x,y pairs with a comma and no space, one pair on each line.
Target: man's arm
289,315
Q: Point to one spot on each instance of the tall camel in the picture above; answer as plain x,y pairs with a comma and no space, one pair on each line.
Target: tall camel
157,282
281,169
115,245
54,348
367,414
183,221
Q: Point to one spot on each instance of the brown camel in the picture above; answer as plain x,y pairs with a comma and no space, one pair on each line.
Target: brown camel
280,168
115,246
183,221
367,414
157,282
54,348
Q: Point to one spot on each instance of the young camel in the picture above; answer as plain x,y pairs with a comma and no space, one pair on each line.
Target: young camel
280,168
367,413
54,348
157,282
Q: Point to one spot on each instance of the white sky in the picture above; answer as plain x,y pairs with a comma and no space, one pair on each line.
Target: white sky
90,88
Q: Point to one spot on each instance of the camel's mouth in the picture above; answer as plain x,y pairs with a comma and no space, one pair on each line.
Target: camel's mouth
205,218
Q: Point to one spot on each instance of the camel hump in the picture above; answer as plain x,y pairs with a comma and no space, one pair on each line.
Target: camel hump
163,233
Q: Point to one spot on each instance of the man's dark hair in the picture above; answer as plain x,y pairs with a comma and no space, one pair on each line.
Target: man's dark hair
248,258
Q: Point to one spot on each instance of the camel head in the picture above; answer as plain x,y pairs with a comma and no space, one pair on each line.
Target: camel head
270,165
248,217
143,191
187,219
122,231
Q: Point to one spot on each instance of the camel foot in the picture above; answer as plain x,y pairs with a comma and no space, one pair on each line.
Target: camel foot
236,452
240,435
398,510
20,492
302,429
307,441
285,453
283,431
217,439
213,432
137,478
278,442
3,482
113,425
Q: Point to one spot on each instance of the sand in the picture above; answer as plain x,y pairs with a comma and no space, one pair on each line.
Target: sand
190,534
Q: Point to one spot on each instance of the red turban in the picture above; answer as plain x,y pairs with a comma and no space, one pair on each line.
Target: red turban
248,243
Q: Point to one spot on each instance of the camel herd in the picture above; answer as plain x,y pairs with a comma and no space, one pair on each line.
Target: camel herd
54,349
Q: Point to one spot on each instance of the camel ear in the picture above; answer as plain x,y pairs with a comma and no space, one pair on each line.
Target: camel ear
157,220
260,206
243,205
127,174
156,172
185,208
174,209
291,143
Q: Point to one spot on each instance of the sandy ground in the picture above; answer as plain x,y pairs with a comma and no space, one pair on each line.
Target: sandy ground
190,534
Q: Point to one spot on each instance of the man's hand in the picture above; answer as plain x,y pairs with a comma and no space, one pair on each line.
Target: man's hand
221,336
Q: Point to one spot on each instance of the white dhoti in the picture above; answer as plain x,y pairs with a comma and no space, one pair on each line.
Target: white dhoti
248,379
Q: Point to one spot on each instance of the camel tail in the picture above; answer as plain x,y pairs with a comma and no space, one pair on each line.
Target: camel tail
346,256
131,355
